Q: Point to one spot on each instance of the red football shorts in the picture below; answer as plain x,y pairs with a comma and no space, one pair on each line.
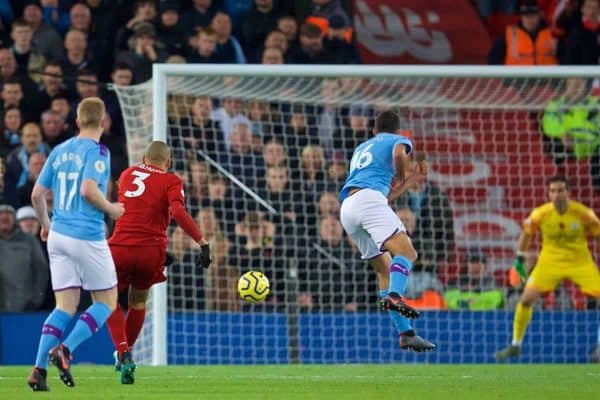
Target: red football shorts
139,266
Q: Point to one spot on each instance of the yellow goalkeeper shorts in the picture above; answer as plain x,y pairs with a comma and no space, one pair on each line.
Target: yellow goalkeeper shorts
545,278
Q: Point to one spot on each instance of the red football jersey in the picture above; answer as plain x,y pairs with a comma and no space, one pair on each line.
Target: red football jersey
147,193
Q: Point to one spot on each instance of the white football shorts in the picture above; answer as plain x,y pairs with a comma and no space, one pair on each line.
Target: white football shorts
76,263
369,220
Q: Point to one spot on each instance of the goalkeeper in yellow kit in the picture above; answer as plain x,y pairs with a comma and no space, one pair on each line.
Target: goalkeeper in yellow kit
563,225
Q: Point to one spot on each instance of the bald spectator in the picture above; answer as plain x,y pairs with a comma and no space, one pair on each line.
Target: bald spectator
261,20
310,49
272,55
277,40
23,280
228,47
76,58
45,39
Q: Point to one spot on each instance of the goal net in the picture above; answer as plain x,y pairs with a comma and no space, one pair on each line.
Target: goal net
263,152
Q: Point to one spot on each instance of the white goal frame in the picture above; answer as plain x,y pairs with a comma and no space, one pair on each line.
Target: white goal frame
160,73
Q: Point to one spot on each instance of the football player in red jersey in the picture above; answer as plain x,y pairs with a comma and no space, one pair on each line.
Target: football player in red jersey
151,195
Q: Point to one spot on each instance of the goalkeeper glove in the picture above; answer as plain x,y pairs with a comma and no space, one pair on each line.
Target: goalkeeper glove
519,266
205,258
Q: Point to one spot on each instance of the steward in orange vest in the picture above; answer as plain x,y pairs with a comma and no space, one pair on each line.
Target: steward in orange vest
527,43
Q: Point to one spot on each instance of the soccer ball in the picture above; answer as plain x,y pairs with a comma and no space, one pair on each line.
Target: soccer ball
253,286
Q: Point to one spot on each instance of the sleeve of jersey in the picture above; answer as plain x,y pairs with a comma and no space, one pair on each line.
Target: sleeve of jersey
45,178
406,141
97,164
592,222
530,225
180,215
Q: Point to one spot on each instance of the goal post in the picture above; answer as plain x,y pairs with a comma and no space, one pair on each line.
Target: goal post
462,117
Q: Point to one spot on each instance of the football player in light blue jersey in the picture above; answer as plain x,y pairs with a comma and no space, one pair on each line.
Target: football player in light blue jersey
379,173
77,172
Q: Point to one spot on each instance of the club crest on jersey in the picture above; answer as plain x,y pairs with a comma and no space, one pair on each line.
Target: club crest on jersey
574,226
100,166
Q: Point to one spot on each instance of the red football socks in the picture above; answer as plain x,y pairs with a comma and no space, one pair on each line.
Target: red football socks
134,324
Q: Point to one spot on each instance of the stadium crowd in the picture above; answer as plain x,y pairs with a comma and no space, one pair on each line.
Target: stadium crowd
55,53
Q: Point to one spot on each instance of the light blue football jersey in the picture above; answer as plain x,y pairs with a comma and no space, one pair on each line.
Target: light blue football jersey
372,164
67,166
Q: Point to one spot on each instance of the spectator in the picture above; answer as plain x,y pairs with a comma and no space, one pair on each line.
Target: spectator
200,15
11,126
199,131
337,170
434,235
323,10
276,40
261,20
289,27
76,58
582,47
278,194
28,59
424,290
338,42
310,49
17,161
12,95
34,168
529,42
144,12
8,72
229,114
45,39
297,135
50,87
228,48
274,154
55,16
329,204
329,115
239,160
28,222
86,86
61,105
142,53
272,56
475,289
571,125
220,200
266,123
206,47
348,138
489,7
198,184
169,31
23,280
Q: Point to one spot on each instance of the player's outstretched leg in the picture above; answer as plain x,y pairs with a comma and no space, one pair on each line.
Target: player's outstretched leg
393,302
60,357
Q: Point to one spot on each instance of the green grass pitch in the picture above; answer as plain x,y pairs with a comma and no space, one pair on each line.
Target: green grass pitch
361,382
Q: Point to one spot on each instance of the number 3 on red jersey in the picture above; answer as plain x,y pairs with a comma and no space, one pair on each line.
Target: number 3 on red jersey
138,181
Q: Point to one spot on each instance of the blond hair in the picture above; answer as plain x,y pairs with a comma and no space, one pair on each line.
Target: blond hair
158,152
90,113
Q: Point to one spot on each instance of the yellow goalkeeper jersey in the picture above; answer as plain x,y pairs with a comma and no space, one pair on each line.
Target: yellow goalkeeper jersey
564,240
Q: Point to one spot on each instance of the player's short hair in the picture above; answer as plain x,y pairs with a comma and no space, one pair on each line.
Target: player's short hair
387,121
558,178
158,152
90,113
